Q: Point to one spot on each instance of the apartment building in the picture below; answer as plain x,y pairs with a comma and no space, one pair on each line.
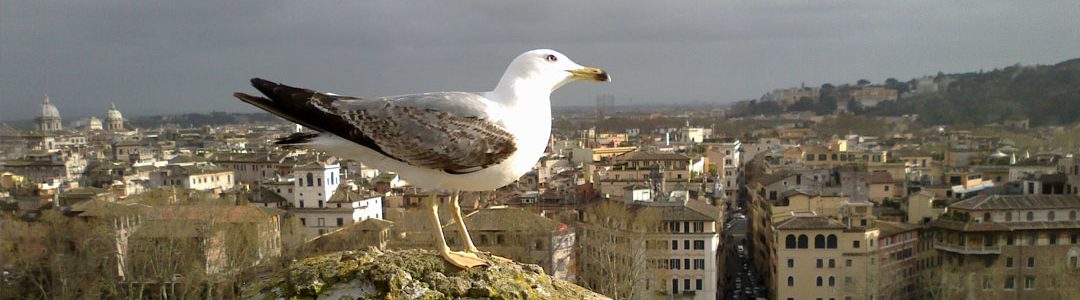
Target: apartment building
1008,247
823,258
650,246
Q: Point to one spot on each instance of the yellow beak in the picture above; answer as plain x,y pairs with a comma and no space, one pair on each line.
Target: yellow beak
587,73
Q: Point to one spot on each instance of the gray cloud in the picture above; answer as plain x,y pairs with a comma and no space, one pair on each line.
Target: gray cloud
182,56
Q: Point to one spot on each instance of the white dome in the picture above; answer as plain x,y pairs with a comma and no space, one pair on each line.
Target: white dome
113,114
48,110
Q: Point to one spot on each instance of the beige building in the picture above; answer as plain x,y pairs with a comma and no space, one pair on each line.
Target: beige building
203,177
1008,247
640,167
822,258
665,248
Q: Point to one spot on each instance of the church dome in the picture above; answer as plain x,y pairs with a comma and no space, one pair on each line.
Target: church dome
113,114
48,110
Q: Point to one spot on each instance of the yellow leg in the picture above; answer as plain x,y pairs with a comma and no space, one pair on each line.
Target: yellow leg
458,259
455,211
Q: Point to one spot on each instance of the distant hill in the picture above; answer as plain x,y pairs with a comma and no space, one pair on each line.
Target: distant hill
1047,95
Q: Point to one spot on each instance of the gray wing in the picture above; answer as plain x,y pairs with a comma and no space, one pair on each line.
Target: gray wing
451,131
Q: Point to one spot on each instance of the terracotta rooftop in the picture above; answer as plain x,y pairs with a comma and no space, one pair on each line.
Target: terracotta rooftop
879,178
891,228
809,223
1009,202
1009,226
640,155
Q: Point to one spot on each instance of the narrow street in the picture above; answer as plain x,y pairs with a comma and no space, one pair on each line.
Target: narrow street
741,280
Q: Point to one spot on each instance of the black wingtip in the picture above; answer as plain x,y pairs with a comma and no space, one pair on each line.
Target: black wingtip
296,139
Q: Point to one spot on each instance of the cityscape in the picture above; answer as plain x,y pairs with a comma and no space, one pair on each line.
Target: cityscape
958,184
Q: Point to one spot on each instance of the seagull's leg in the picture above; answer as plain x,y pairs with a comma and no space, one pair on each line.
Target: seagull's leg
455,210
455,258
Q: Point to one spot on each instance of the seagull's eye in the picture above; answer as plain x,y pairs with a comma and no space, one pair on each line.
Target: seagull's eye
551,58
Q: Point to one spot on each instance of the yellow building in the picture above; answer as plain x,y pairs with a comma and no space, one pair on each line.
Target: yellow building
821,258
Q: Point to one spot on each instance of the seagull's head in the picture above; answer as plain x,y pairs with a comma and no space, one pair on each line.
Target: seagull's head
550,69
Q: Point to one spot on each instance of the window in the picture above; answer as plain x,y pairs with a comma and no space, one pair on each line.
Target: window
303,221
1009,240
1031,262
832,281
820,262
1053,239
855,244
310,180
1072,215
886,188
1029,283
1074,239
819,242
699,264
790,263
698,284
686,284
320,204
819,281
847,263
1032,238
699,245
1050,215
789,242
832,263
1030,216
803,241
1009,262
1010,282
831,242
674,245
790,281
987,282
340,222
674,285
1008,216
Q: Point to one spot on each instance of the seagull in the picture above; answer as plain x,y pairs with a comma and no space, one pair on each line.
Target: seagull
438,141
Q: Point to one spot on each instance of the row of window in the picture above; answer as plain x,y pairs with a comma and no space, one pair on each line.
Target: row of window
1030,216
698,245
820,281
686,285
820,242
820,263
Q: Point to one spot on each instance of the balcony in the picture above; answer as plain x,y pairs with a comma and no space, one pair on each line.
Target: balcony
968,249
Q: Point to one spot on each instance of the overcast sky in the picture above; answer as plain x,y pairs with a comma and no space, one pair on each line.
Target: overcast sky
162,57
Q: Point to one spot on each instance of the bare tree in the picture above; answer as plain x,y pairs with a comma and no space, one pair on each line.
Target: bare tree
614,249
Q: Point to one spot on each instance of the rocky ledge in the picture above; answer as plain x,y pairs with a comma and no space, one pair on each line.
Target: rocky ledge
409,274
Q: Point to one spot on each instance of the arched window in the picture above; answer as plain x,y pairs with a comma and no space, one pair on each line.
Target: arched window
1008,216
831,242
986,217
790,281
819,281
1050,215
819,242
803,241
1030,216
789,242
832,281
310,179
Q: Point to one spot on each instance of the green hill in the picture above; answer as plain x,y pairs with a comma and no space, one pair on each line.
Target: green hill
1047,95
